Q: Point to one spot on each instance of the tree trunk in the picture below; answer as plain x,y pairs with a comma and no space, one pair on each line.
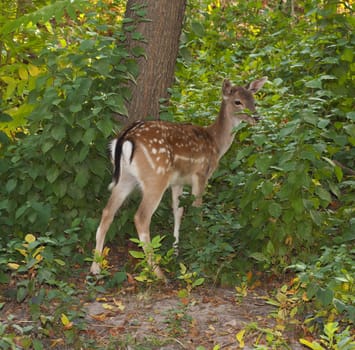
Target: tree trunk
161,29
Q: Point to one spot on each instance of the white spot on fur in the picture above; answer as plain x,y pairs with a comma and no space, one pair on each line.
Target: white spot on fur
148,157
160,170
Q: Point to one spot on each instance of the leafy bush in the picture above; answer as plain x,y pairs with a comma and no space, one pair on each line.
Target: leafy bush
284,184
329,282
54,176
36,262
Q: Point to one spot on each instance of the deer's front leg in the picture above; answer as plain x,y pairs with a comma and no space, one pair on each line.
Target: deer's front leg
198,186
178,212
152,196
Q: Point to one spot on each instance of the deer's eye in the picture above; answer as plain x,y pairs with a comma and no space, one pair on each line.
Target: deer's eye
237,102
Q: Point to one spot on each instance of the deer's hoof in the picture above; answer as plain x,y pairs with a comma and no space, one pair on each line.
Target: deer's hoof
95,268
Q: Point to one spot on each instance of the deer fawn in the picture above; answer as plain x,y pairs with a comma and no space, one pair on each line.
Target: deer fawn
155,155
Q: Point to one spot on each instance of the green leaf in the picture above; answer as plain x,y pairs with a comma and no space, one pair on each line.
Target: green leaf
325,296
21,294
156,241
21,210
11,185
37,344
198,28
52,174
314,84
138,51
312,289
259,257
89,136
323,194
58,154
60,188
87,45
105,126
75,107
33,172
5,118
289,129
117,104
316,217
76,134
275,209
58,132
263,163
298,205
198,282
98,167
46,146
338,171
82,177
313,345
137,255
270,249
348,55
60,262
267,188
103,67
84,151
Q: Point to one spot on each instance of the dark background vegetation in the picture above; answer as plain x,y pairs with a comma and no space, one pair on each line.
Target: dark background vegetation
282,200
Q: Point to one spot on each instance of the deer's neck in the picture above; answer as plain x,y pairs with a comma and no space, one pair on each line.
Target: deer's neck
221,129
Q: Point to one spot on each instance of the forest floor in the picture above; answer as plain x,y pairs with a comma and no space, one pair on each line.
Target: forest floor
137,316
210,318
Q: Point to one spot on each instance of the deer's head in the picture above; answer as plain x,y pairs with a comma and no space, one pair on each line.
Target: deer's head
239,101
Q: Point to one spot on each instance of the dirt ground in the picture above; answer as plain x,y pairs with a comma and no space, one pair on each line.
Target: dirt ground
138,317
209,317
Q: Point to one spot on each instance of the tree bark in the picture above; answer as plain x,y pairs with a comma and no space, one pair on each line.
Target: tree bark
161,29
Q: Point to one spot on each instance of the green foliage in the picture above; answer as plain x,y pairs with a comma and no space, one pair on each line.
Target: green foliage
283,194
191,280
269,336
332,339
178,321
329,282
36,262
150,257
38,265
51,175
21,46
283,190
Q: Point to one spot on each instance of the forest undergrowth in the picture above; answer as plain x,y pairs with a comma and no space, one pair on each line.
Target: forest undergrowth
277,226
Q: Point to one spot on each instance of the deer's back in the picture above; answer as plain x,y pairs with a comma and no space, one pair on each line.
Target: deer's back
178,151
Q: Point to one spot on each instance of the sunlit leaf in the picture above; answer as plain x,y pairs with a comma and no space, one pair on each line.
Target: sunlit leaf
65,320
136,254
13,266
30,238
311,345
107,306
240,338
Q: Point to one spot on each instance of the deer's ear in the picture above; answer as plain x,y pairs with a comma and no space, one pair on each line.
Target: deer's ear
227,87
256,85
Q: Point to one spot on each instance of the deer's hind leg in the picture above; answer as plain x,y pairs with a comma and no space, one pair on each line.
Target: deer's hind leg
119,193
152,195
